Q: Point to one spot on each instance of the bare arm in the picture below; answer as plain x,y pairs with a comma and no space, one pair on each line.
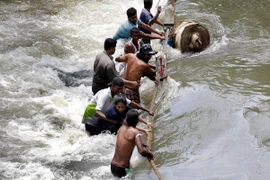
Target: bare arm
144,121
137,127
149,28
152,36
122,58
149,72
102,116
131,84
143,149
137,106
155,18
152,66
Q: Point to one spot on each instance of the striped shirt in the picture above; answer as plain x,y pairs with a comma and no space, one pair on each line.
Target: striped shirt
124,30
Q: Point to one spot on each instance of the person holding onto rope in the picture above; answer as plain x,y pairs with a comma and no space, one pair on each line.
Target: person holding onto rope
104,68
147,17
102,101
136,67
135,43
127,138
118,113
133,21
132,46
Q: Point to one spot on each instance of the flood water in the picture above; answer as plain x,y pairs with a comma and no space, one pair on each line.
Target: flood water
213,123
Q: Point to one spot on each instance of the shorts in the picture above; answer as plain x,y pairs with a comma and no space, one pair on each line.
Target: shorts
132,95
118,171
91,129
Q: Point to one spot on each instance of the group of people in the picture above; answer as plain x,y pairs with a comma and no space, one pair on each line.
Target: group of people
116,94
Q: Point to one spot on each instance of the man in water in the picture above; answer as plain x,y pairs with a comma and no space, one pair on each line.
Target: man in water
103,100
132,46
136,67
127,137
135,43
133,21
104,68
147,17
118,113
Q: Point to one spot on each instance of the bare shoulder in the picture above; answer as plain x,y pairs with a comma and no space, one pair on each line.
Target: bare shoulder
131,133
130,56
128,44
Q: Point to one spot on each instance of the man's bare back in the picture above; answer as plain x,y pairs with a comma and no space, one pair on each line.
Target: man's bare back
136,68
124,145
127,138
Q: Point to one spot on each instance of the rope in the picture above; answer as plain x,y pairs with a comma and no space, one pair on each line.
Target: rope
150,134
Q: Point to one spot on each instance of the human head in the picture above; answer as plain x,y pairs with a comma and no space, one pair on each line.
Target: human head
132,117
135,34
120,103
148,3
132,15
116,86
109,45
146,52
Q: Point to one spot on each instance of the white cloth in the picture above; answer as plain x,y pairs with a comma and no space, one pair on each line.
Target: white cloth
103,100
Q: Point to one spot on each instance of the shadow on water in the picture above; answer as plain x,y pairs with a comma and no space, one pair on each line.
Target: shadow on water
74,79
75,169
84,165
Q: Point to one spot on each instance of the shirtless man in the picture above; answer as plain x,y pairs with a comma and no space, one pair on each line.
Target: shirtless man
132,46
104,68
135,43
127,137
136,67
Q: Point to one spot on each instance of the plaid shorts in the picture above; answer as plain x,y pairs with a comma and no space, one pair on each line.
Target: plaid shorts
132,95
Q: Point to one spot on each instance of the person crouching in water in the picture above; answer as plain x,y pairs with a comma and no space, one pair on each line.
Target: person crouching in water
127,137
117,113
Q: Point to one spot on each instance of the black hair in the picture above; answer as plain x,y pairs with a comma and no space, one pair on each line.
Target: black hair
141,57
132,117
120,98
109,43
148,3
131,12
134,30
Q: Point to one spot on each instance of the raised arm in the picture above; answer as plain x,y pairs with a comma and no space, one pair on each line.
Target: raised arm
155,18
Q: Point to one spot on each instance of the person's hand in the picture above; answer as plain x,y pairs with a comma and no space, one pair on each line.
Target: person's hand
157,80
162,37
158,9
151,157
151,113
135,84
149,124
146,131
